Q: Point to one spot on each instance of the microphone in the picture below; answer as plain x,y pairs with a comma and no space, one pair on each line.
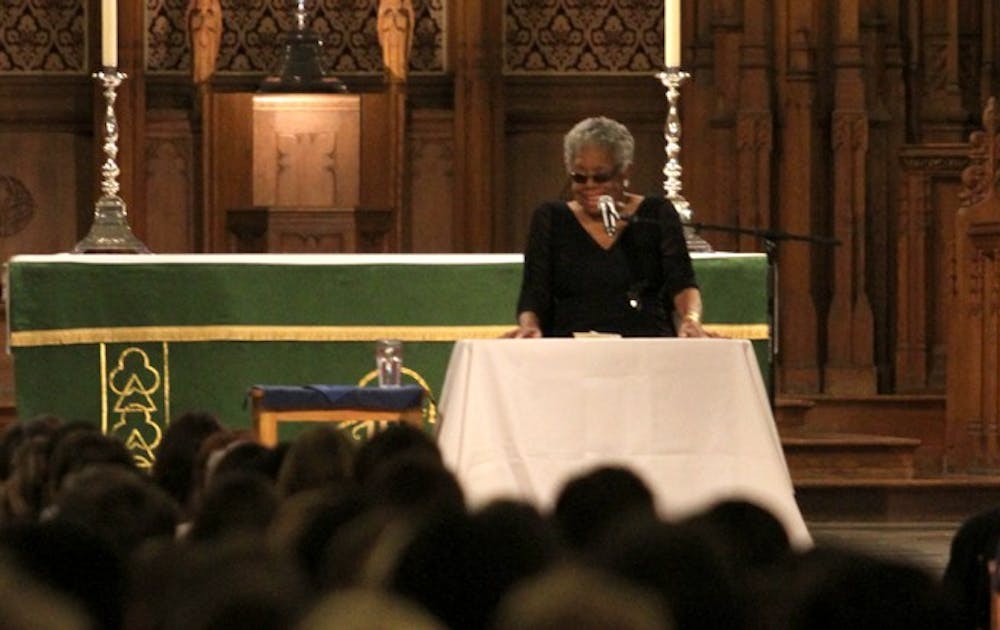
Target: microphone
609,214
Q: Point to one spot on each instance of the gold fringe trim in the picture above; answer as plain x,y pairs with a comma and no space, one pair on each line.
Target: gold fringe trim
753,332
145,334
148,334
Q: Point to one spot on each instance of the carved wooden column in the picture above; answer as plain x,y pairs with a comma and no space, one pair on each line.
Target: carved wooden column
850,367
800,185
698,99
754,126
395,32
884,86
726,22
987,46
922,269
939,101
204,33
479,138
130,109
973,436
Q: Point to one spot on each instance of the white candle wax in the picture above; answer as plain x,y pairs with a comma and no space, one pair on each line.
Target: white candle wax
672,33
109,33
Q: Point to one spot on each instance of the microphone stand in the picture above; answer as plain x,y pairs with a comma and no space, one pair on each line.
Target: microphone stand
771,238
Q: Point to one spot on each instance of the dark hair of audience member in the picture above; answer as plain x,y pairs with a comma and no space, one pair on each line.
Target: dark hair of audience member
752,537
414,485
306,523
582,598
966,574
177,453
395,440
680,564
122,506
228,584
74,562
235,503
589,503
318,457
81,449
26,604
367,609
837,588
17,433
48,445
364,550
65,429
247,456
459,566
24,452
24,492
212,448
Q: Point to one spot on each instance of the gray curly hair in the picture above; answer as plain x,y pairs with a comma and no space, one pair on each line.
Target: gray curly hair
604,133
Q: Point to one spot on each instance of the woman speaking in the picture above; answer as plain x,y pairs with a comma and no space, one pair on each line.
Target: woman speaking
595,264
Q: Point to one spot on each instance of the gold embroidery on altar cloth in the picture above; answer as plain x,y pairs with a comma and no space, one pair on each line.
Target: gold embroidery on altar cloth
135,397
430,406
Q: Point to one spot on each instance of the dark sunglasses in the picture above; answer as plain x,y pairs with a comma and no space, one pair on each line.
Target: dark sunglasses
597,178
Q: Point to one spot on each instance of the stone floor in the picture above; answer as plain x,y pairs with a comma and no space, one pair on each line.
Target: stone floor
922,543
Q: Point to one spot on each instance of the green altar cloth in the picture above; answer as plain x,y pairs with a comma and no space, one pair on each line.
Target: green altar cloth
131,341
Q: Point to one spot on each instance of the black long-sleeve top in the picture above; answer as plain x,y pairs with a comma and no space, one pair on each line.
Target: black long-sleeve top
575,285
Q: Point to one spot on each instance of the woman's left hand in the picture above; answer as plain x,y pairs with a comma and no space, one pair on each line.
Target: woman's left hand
689,327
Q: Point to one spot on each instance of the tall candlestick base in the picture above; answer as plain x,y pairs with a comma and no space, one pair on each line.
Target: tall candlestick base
110,231
672,78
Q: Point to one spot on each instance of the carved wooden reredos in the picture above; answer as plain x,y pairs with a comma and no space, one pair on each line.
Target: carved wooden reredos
843,119
980,178
973,392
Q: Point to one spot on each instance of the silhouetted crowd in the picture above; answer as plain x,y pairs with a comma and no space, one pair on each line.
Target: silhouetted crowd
323,532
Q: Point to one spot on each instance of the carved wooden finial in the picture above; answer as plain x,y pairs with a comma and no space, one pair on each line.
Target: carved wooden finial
979,179
395,35
204,21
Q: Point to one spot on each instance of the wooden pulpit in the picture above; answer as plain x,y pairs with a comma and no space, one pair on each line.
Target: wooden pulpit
973,379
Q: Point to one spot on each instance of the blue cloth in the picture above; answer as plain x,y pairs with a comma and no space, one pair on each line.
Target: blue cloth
292,397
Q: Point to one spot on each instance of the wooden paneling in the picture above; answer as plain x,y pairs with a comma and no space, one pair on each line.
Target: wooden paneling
924,235
171,222
227,155
308,230
973,385
431,180
376,180
306,150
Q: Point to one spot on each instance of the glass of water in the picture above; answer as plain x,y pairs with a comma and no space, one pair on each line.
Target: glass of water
389,362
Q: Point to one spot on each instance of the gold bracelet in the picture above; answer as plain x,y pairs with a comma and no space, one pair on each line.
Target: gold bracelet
694,316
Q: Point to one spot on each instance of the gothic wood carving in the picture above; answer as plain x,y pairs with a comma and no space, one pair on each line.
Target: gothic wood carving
974,336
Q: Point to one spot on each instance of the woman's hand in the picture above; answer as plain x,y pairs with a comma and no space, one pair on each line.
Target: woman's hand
687,304
691,327
524,332
528,327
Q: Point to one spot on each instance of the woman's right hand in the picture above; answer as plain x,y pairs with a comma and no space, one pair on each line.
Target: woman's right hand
527,332
527,327
523,332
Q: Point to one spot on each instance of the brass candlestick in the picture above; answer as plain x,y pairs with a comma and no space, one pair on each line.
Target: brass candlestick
672,78
110,232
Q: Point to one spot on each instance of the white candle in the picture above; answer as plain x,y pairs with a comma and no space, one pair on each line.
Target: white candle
109,33
672,33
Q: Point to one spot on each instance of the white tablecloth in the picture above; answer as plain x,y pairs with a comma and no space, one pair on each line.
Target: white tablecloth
518,418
